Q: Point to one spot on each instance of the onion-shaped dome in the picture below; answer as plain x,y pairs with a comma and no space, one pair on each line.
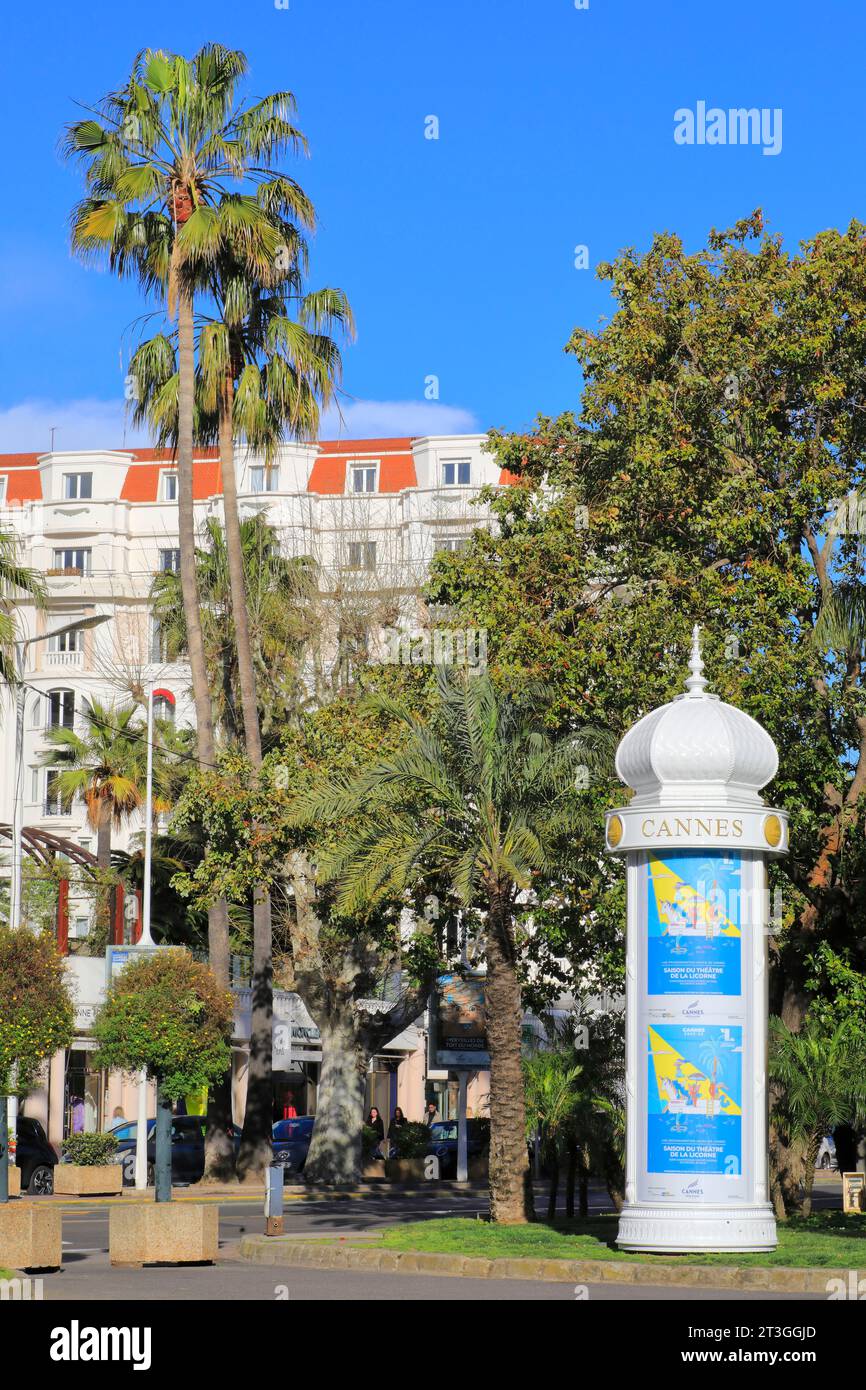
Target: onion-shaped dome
697,749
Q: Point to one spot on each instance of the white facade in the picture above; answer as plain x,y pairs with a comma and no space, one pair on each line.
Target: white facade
100,524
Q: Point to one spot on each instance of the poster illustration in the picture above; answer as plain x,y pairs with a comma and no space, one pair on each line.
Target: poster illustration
458,1024
694,923
694,1099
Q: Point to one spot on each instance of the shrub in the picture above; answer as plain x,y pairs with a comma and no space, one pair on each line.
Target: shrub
410,1140
369,1141
90,1150
36,1016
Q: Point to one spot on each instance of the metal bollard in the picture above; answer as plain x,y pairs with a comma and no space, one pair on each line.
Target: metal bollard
274,1200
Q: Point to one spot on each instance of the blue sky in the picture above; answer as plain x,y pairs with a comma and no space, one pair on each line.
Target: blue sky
556,129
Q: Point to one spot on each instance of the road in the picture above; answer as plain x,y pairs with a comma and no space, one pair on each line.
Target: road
86,1274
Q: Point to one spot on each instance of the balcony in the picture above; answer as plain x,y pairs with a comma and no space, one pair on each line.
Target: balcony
64,658
58,808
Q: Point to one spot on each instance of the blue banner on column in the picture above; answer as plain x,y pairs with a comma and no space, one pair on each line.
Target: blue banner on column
694,924
694,1099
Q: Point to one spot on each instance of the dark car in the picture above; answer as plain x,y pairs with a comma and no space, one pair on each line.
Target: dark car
34,1156
443,1143
291,1141
187,1148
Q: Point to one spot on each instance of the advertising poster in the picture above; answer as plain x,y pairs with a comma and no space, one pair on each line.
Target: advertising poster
694,1099
459,1024
694,923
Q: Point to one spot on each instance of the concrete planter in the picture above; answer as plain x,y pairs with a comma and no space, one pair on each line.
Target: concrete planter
405,1169
78,1180
31,1236
373,1168
14,1181
174,1233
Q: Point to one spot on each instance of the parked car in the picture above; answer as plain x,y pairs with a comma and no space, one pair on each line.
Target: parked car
34,1156
443,1143
187,1148
827,1153
291,1141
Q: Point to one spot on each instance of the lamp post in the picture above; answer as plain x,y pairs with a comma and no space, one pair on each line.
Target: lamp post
695,838
145,939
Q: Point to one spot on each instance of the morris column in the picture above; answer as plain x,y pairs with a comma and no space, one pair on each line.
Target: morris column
696,837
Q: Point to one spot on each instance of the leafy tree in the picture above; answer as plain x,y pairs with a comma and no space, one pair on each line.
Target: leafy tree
16,582
36,1019
168,1015
498,798
713,473
821,1081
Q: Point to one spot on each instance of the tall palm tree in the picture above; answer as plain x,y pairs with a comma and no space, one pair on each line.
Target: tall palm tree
483,797
105,765
174,166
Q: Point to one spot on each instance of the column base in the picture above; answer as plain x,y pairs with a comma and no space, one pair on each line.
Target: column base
674,1230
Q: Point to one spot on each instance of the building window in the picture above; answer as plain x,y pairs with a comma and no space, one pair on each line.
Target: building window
34,784
3,481
77,486
169,487
364,477
67,641
55,804
264,479
455,473
362,555
74,560
61,709
452,543
158,644
163,708
169,561
79,928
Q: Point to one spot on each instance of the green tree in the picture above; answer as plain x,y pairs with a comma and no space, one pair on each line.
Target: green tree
105,765
552,1101
35,1021
17,581
499,800
820,1077
713,473
167,1015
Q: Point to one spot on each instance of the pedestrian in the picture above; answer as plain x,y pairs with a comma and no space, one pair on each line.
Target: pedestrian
374,1121
398,1120
431,1114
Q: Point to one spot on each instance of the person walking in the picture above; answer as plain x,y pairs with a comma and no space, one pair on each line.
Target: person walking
431,1114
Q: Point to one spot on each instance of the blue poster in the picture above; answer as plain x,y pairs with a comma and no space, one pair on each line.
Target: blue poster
694,923
694,1099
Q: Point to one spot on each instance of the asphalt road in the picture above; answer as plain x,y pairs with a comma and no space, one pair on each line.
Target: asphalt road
86,1274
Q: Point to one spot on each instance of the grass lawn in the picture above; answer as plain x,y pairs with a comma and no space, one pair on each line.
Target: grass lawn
826,1239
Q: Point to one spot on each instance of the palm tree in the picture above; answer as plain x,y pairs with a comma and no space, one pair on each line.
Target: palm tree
16,581
552,1102
175,169
820,1078
482,796
106,766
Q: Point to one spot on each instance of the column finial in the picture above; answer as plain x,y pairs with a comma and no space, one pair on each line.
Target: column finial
696,684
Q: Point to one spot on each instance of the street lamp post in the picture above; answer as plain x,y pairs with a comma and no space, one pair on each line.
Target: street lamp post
145,939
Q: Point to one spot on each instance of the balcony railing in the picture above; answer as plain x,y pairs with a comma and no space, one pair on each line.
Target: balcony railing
64,658
57,808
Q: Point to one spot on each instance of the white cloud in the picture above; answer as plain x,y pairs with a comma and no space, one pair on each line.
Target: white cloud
94,424
385,419
87,424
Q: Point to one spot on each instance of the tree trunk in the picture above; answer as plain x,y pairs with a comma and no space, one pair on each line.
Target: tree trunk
4,1151
583,1186
554,1186
106,905
335,1151
570,1178
219,1150
810,1158
510,1183
255,1151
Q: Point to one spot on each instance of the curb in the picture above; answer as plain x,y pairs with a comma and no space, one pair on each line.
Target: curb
255,1192
276,1250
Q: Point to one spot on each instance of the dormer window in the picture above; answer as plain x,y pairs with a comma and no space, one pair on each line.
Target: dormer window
455,473
77,486
362,477
169,487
